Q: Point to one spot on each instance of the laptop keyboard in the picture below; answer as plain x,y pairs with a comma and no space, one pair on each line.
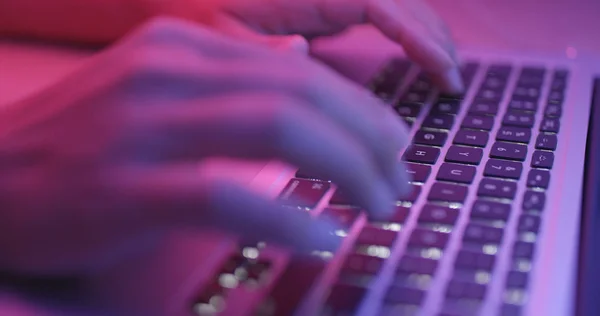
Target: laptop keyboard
465,238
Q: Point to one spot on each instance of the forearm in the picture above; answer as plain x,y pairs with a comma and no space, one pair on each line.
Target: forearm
86,21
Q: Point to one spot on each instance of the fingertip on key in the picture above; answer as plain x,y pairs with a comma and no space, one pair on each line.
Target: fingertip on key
451,81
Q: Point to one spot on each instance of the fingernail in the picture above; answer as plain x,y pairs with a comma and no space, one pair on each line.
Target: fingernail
293,43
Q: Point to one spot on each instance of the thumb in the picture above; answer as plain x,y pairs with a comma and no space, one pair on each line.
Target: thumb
234,28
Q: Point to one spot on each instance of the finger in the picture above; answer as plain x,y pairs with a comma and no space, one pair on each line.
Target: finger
325,17
259,127
366,118
403,27
181,197
354,109
236,29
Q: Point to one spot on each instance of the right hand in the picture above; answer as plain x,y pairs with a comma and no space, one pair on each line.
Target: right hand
105,161
410,23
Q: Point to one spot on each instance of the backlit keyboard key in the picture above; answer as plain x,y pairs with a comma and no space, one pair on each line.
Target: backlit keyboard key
445,192
474,261
499,70
520,119
362,264
556,97
421,83
530,81
553,110
538,178
413,195
529,223
465,290
490,210
417,265
415,96
526,93
466,155
418,172
340,198
426,238
422,154
400,215
484,108
493,82
510,151
452,172
376,236
387,82
534,200
430,138
523,250
516,279
471,138
497,188
503,169
409,109
439,121
446,106
542,159
404,295
303,193
523,105
550,125
489,95
514,134
436,214
546,142
511,310
482,234
478,122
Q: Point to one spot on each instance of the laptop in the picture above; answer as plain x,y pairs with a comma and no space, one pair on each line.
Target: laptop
502,220
499,219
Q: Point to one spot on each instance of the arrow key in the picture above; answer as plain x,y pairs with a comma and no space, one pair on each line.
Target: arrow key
542,159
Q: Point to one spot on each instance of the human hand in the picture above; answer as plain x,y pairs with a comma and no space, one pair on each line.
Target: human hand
410,23
105,162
